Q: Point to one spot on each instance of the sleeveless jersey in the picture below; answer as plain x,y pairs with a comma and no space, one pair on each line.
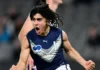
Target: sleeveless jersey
47,51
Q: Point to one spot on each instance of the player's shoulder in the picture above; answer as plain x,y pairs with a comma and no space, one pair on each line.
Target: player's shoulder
31,32
64,35
55,28
59,29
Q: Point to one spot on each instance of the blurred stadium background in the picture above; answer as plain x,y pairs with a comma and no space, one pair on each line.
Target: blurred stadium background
81,22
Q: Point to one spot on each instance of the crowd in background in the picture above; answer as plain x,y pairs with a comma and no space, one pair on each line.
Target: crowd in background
13,15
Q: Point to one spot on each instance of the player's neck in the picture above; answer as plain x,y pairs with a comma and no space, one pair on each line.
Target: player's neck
46,31
53,6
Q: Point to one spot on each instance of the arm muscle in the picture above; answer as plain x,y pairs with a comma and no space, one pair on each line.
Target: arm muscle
23,55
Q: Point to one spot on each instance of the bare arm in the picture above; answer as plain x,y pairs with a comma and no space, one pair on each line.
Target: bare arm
21,65
27,26
75,55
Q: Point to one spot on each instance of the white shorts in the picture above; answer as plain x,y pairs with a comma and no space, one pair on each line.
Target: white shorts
64,67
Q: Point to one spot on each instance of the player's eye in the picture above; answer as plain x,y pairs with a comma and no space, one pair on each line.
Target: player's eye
39,19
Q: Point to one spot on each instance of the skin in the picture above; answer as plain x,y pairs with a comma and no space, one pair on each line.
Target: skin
40,24
27,26
70,51
53,5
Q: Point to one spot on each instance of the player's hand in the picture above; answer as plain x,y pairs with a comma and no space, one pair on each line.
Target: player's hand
13,67
89,65
30,63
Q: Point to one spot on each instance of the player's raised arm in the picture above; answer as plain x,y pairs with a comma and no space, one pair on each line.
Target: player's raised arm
27,26
88,65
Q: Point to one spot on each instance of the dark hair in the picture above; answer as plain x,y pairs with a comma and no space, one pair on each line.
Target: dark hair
43,1
47,13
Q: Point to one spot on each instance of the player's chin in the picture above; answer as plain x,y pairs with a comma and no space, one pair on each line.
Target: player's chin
37,32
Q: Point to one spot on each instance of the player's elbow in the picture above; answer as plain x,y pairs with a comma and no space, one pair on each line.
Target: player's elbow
69,50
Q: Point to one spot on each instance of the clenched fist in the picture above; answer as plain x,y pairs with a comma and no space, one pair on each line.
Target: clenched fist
89,65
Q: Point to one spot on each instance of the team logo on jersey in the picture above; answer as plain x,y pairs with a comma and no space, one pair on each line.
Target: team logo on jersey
36,48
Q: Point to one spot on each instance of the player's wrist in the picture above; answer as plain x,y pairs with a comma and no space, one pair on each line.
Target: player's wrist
84,64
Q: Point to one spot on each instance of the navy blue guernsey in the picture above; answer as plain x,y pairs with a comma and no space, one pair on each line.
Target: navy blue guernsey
47,50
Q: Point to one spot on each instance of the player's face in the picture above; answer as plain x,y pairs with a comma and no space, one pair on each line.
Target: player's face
39,23
58,1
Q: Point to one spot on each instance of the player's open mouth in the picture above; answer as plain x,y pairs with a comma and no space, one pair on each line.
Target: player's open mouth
37,28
